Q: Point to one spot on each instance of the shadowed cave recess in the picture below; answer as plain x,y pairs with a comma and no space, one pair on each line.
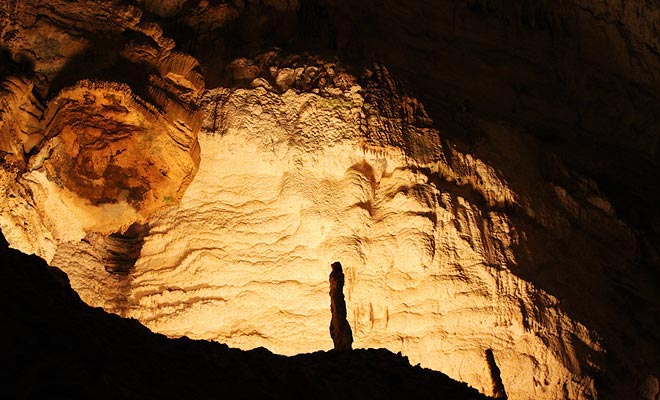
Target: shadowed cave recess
485,172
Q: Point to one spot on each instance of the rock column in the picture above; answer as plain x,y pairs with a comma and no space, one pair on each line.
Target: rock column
340,330
498,386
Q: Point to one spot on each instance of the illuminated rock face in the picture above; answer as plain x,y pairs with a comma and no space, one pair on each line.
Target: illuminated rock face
93,156
106,160
110,148
452,242
290,183
287,185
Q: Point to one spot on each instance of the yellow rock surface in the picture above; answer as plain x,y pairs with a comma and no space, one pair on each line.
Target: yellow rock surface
286,186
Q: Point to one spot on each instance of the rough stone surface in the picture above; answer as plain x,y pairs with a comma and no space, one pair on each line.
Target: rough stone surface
502,198
92,155
107,160
288,184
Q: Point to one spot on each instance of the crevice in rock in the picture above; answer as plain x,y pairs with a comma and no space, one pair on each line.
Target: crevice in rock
121,250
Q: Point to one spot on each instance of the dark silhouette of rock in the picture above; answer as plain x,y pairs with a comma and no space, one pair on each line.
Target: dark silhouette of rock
54,346
340,330
498,386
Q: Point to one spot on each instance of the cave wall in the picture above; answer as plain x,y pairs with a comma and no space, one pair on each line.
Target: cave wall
470,163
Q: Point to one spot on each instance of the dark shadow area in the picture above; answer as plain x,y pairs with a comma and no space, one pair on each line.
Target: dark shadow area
10,67
102,61
314,26
122,249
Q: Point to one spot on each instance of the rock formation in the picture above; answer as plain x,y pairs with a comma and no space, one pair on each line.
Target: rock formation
100,155
330,178
484,171
495,375
340,330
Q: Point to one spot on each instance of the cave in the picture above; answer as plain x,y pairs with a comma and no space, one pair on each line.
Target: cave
180,177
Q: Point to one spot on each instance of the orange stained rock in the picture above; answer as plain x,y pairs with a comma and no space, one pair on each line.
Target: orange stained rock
108,147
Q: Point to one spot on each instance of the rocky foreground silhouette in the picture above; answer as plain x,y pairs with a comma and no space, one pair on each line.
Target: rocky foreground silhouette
54,346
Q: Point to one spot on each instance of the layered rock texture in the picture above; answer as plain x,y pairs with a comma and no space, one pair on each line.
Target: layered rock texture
97,156
501,230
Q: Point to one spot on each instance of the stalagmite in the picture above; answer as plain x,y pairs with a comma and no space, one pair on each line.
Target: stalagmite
340,330
495,376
